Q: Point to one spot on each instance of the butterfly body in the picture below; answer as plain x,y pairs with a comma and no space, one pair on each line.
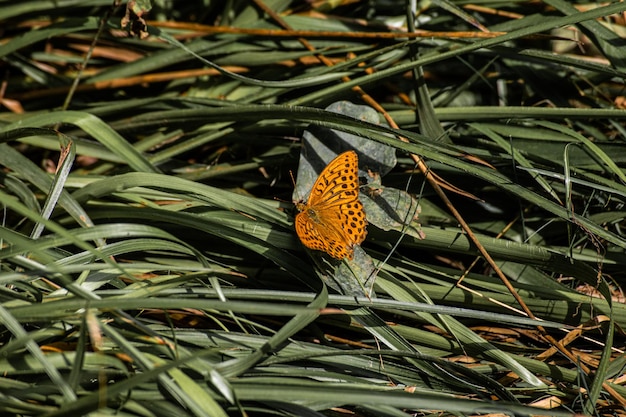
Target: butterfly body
332,219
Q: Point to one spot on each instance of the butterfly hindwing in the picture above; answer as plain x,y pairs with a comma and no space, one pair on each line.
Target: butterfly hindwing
317,236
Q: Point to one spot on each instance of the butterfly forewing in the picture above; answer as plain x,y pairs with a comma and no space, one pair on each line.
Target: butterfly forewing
338,182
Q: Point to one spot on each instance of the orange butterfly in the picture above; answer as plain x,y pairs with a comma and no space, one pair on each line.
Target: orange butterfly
333,220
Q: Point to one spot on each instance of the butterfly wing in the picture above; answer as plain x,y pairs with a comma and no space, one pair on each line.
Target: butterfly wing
333,219
338,191
353,222
318,236
337,183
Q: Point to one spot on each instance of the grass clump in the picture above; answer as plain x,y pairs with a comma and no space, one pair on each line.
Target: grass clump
149,262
